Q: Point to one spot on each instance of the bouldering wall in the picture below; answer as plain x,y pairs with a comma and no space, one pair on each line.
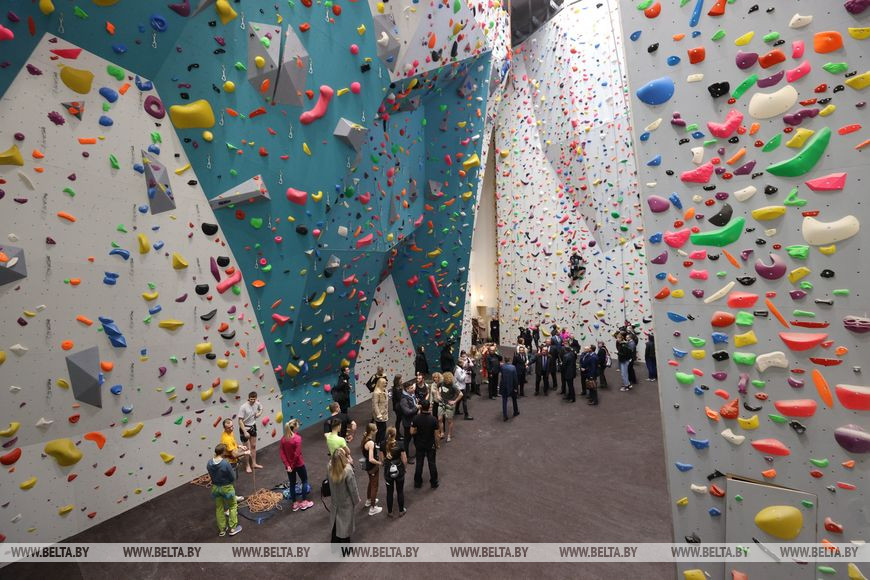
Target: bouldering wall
273,140
127,352
566,179
748,121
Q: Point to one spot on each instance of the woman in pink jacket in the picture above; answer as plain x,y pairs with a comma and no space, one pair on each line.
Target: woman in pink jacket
291,454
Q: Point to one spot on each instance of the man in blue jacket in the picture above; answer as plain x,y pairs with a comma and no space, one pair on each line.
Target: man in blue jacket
507,387
589,372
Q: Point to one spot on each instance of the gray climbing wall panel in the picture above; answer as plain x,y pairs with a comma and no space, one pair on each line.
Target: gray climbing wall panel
689,171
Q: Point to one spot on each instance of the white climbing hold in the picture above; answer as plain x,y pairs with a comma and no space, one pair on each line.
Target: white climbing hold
43,422
18,349
799,21
654,125
767,105
697,155
720,293
14,389
695,78
745,193
730,437
817,233
768,360
699,489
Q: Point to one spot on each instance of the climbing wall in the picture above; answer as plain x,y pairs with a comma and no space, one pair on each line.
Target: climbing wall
566,179
748,122
127,351
295,179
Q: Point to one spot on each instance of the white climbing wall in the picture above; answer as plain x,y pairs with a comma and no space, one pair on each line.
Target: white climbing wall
751,232
172,396
566,178
386,341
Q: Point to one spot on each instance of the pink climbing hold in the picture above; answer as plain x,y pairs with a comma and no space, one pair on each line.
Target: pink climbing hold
5,33
832,182
434,285
341,341
724,130
280,319
296,196
701,174
677,239
802,70
234,279
319,109
364,241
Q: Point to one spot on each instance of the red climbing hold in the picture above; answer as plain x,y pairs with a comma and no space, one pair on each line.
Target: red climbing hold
718,9
697,54
653,10
11,457
722,319
796,407
771,447
742,299
773,57
802,341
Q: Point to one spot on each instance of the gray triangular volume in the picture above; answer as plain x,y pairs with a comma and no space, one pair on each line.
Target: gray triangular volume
350,133
157,183
251,190
264,40
13,266
433,189
84,376
412,190
294,71
394,215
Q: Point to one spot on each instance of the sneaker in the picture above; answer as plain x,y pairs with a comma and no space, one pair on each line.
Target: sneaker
296,506
368,502
448,438
240,498
227,513
469,418
306,504
402,513
375,510
222,533
235,530
623,389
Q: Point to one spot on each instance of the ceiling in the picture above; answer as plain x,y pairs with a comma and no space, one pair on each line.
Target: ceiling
527,16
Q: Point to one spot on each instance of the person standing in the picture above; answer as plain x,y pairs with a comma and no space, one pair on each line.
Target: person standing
371,454
493,364
394,472
290,450
409,409
632,345
649,356
334,441
435,394
421,389
450,396
235,452
447,360
396,396
603,358
421,365
536,336
380,410
462,376
521,363
249,412
341,390
224,492
508,388
542,370
425,430
589,366
344,497
555,352
373,380
623,354
569,373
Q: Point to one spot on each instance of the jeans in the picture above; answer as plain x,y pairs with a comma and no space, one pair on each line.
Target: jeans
429,455
399,486
225,499
303,475
623,370
504,404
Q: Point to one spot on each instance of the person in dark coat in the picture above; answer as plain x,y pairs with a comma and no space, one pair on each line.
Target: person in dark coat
555,363
341,390
569,372
649,356
603,355
589,369
536,337
409,409
421,365
521,362
492,370
508,388
542,370
447,361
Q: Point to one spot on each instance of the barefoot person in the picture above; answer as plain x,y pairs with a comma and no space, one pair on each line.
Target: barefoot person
249,412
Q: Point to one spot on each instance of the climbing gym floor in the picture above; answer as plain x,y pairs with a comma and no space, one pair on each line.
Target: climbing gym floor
559,472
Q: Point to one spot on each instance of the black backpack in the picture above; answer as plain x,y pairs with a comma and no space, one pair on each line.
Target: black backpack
325,491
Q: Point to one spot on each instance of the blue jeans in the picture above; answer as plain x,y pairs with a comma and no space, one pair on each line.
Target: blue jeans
303,475
623,370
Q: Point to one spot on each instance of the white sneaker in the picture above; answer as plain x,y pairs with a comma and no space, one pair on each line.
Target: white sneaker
227,513
235,530
375,510
240,498
368,502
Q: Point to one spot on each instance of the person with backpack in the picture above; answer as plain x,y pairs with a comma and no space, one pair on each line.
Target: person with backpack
373,380
394,460
604,362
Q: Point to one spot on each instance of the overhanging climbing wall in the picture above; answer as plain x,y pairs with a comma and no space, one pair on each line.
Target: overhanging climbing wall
748,122
566,178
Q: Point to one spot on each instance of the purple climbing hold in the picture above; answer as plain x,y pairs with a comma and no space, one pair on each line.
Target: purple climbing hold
770,81
745,60
154,107
698,293
856,6
656,92
773,272
658,204
660,259
797,118
853,438
181,8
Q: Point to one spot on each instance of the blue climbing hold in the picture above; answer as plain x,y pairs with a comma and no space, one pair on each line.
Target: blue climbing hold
679,353
158,245
656,238
673,60
657,92
720,338
143,84
676,317
116,390
655,161
698,390
696,33
113,333
675,200
714,512
645,136
697,135
119,48
683,466
635,35
126,409
120,252
696,13
109,94
154,310
661,275
106,121
699,443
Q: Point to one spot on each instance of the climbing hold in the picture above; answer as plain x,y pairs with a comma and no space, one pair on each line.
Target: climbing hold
853,438
796,407
767,105
195,115
11,156
11,430
827,41
802,341
831,182
78,80
768,360
178,262
27,484
817,233
225,11
230,386
64,451
780,521
853,397
96,437
804,161
656,92
721,237
771,447
319,109
133,431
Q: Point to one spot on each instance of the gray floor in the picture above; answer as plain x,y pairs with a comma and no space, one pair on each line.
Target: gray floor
559,472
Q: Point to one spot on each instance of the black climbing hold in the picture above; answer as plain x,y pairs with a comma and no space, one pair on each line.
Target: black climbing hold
709,187
734,139
209,229
839,88
715,475
719,89
750,408
652,48
825,301
713,257
228,335
683,141
693,539
669,172
723,217
753,8
222,261
746,280
209,315
826,273
301,230
760,313
721,355
211,356
799,428
201,289
770,190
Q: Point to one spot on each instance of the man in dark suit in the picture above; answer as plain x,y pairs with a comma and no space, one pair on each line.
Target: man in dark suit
508,385
556,357
492,370
341,390
542,370
569,372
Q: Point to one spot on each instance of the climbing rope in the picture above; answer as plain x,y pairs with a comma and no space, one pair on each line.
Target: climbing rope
263,500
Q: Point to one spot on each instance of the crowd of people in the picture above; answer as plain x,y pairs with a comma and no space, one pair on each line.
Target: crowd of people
424,410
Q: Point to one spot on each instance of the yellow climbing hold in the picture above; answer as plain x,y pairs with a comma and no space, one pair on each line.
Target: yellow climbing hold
797,274
678,293
827,110
28,483
473,161
222,363
11,156
166,457
279,418
318,302
768,213
745,39
683,501
133,431
292,370
64,451
46,7
259,61
317,340
144,244
195,115
230,386
205,395
745,339
854,573
467,195
694,574
65,509
63,383
860,33
800,137
314,356
11,430
361,29
225,11
780,521
828,250
207,136
2,356
149,296
171,324
306,149
178,262
859,82
77,79
699,354
434,253
748,424
202,348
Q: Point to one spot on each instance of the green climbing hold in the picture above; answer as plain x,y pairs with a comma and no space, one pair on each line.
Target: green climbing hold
256,223
747,84
644,4
709,142
807,504
841,292
745,318
773,143
691,127
697,341
69,191
798,252
804,161
79,13
147,319
237,290
803,314
156,137
121,228
180,420
820,462
718,35
457,6
807,286
684,378
113,161
738,497
793,200
744,358
721,237
835,68
758,383
826,569
239,66
116,72
777,418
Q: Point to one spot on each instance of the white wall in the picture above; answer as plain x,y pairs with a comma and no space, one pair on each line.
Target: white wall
177,421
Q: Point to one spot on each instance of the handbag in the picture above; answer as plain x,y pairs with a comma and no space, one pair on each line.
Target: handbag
325,491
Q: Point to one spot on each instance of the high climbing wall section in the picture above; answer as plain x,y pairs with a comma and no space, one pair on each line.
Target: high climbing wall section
566,181
748,119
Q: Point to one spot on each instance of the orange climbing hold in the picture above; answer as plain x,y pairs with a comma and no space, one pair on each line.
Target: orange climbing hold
106,366
697,54
773,57
711,414
66,216
722,319
773,310
96,437
67,344
718,9
827,41
84,320
653,11
769,473
730,410
823,388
